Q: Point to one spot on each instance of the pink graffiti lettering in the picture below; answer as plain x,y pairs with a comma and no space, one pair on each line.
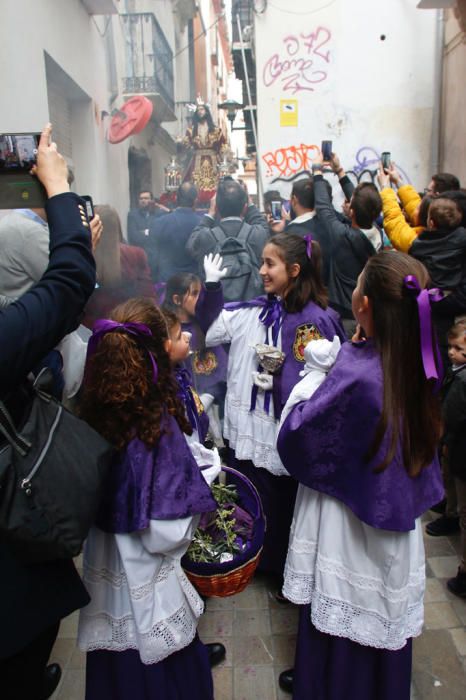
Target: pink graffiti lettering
285,162
304,65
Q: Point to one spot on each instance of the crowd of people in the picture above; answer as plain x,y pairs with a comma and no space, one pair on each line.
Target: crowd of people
155,343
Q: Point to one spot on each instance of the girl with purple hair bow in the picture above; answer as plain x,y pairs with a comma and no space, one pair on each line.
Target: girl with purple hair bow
364,450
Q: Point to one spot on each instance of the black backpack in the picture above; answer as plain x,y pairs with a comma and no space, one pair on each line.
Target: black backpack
243,280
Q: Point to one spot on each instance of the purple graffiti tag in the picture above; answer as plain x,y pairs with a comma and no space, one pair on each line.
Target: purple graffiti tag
367,158
303,66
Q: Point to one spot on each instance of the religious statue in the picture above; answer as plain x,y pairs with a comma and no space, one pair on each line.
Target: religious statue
207,145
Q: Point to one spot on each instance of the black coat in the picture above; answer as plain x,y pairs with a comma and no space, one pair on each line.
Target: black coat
454,416
444,255
35,596
347,250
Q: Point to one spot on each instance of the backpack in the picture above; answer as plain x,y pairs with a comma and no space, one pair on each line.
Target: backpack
243,281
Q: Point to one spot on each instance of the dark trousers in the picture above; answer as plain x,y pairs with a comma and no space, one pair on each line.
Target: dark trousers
22,675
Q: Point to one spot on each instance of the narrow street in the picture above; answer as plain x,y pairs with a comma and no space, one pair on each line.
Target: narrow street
259,635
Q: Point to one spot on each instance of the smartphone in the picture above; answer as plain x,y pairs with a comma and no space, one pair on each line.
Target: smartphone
326,149
386,159
276,210
89,206
18,188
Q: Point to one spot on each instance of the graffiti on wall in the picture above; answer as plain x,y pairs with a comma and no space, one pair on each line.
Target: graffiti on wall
367,160
301,64
290,163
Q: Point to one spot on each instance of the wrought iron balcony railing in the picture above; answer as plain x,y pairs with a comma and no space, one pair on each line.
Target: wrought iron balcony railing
149,58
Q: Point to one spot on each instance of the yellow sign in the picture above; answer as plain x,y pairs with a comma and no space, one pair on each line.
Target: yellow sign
288,112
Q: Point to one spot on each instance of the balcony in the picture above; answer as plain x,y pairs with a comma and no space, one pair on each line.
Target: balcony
100,7
149,64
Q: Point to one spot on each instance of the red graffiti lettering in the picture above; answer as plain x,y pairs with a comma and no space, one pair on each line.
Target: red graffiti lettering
285,162
297,71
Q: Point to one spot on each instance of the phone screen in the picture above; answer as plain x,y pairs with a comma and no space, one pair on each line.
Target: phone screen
18,189
386,160
276,210
326,150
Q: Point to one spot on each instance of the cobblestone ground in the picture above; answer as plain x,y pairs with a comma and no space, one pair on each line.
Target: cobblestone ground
259,637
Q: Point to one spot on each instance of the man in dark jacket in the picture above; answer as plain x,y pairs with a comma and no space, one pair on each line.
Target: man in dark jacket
168,236
350,245
34,597
229,216
142,217
306,219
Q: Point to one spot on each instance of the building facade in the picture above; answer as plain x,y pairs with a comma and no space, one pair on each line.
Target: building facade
76,63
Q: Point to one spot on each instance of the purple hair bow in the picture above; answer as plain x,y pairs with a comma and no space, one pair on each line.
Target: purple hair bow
308,239
105,325
429,348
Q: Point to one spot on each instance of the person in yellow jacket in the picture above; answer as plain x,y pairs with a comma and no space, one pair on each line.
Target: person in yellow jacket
402,230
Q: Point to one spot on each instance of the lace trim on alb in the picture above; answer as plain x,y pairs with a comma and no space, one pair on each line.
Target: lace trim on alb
365,626
102,631
118,580
331,567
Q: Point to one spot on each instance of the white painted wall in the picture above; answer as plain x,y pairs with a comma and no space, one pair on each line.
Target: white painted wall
353,88
64,30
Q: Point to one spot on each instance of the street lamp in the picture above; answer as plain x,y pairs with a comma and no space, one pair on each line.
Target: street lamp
231,107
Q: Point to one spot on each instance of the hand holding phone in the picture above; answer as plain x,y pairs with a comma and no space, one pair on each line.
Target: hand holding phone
51,168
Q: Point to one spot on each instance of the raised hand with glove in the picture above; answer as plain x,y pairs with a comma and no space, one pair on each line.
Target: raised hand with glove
213,269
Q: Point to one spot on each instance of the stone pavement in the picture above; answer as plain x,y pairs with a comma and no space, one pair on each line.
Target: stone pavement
259,637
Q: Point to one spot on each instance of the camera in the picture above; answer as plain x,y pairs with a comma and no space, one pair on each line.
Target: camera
18,188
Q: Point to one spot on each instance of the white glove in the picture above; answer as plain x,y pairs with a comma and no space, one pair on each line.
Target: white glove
263,380
213,268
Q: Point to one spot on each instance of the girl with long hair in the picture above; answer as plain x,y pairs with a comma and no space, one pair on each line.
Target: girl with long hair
293,312
364,449
139,630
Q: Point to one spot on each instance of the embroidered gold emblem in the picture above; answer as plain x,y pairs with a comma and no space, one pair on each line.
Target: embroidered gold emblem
204,364
197,401
304,334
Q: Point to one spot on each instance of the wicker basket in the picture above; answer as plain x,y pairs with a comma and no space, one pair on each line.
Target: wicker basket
228,578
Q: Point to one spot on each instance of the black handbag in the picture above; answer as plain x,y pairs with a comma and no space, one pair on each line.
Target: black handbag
52,472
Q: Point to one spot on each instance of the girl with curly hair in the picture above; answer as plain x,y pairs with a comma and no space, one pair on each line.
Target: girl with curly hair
139,630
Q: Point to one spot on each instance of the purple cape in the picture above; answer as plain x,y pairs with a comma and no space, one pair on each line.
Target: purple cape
312,322
163,483
324,440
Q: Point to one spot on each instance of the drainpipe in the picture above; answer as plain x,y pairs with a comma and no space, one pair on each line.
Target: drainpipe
438,84
253,118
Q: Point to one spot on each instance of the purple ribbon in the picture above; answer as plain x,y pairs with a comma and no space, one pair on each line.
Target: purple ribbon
105,325
271,317
186,395
160,290
308,239
429,349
